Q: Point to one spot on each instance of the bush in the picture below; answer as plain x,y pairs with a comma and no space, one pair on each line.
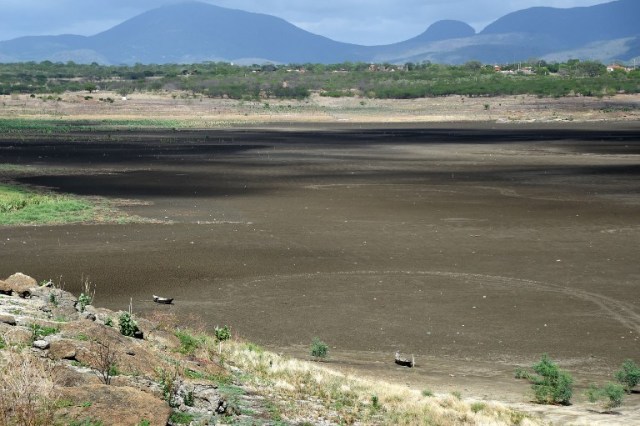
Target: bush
550,384
628,375
128,326
611,395
319,349
188,343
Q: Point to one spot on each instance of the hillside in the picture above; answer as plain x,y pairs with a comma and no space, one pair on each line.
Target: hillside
63,361
196,32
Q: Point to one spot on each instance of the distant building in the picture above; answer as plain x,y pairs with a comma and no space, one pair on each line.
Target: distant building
614,67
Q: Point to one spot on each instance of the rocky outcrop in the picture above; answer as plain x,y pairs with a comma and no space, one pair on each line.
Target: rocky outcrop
113,405
101,375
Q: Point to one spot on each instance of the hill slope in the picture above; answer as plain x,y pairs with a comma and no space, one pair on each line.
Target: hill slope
194,32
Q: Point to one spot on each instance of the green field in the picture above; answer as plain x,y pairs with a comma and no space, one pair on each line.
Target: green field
19,206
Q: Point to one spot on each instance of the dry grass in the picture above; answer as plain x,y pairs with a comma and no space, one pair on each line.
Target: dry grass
299,388
27,394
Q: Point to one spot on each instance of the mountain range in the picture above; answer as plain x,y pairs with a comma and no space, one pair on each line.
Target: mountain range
195,32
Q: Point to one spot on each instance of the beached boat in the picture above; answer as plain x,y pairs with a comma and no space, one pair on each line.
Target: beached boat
163,300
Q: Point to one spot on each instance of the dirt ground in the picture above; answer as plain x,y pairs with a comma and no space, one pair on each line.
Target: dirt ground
477,247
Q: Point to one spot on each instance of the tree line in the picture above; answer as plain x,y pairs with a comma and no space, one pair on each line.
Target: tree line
298,81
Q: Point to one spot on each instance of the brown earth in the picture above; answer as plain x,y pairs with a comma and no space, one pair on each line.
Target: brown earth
477,247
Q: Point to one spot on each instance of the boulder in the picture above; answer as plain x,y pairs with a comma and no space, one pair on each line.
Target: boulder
112,405
8,319
21,284
5,288
40,344
63,349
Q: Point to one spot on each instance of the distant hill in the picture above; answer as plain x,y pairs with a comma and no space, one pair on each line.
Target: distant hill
195,32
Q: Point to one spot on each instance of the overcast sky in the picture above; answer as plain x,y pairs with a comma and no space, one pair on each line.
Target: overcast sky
366,22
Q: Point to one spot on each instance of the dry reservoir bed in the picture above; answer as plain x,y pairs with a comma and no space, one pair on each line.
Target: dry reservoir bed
476,247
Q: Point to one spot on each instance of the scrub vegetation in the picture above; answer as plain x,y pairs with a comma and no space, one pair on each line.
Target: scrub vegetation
46,80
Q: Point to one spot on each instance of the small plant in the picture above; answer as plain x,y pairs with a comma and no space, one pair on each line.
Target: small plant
375,402
128,326
82,337
83,301
427,393
628,375
189,399
476,407
610,395
188,343
38,331
87,295
144,422
222,334
108,322
45,283
53,300
457,395
521,373
181,418
319,349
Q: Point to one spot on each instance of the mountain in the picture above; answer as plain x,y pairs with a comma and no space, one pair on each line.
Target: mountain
194,32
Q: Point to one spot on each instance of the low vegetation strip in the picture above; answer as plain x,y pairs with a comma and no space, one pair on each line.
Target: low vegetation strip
47,126
21,206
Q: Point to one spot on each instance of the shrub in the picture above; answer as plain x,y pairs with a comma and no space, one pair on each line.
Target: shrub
628,375
222,334
427,392
188,343
551,385
476,407
610,394
319,349
128,326
104,360
521,373
83,301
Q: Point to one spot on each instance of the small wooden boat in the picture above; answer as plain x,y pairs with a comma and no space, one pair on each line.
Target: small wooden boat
163,300
405,361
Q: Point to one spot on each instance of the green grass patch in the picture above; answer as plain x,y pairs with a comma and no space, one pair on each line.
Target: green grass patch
19,206
181,418
188,343
56,127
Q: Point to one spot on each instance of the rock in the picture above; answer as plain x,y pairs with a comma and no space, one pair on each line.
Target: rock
63,349
8,319
112,405
88,316
5,288
40,344
21,284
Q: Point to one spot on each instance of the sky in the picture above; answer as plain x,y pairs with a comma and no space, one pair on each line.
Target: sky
367,22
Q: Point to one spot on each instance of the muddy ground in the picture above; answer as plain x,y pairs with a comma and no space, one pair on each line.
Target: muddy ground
477,247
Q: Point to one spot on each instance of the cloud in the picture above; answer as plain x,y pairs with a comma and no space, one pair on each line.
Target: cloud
356,21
